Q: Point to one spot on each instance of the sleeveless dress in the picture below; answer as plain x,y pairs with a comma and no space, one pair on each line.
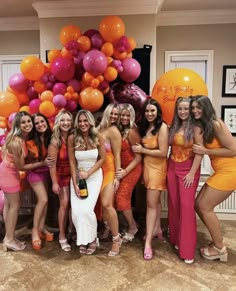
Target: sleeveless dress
127,184
63,166
9,174
108,167
83,216
224,177
155,168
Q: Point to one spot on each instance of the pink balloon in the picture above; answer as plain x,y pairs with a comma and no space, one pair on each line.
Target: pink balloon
31,92
97,40
11,117
75,84
63,69
2,139
131,70
34,105
90,32
59,101
78,60
95,62
1,200
59,88
18,82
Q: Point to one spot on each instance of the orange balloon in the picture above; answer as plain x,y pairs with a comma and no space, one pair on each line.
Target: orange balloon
66,54
91,99
39,86
84,43
176,83
32,68
68,33
46,95
74,96
110,74
87,78
47,108
3,122
8,104
23,98
25,108
108,49
132,44
119,55
95,83
54,54
112,28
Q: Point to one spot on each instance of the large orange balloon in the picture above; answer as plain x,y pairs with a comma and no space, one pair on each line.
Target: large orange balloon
8,104
111,28
68,33
91,99
176,83
32,68
47,108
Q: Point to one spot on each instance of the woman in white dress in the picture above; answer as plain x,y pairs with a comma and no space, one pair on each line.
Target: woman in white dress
86,155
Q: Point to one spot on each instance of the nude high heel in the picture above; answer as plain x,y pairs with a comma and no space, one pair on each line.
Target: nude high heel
221,255
115,240
12,247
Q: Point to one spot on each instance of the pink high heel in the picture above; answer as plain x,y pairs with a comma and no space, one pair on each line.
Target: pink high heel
147,255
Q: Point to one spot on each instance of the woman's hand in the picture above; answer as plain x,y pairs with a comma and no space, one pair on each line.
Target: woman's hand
83,174
137,148
199,149
56,188
120,173
188,180
116,184
49,162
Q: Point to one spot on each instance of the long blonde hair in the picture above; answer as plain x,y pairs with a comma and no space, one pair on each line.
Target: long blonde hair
93,136
56,134
125,129
15,132
106,118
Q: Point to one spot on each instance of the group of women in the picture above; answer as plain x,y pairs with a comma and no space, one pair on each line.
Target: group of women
112,157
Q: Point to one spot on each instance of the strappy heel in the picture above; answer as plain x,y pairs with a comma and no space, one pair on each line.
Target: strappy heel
129,237
64,245
12,247
221,255
92,247
117,241
106,231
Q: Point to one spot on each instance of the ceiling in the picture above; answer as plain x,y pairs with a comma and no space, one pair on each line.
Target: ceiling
25,14
23,8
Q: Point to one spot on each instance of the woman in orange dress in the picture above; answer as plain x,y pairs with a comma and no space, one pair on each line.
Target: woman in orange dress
131,168
112,140
220,145
60,173
154,148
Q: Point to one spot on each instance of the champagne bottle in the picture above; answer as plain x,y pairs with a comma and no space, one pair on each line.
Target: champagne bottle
83,189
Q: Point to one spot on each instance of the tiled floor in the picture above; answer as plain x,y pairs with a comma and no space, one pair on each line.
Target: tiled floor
52,269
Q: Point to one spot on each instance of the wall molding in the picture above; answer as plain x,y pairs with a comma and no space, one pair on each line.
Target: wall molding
196,17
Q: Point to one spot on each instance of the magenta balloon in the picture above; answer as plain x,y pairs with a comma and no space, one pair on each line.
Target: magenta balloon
78,60
90,32
131,70
2,139
59,88
34,105
95,62
71,105
63,69
75,84
18,82
59,101
1,200
31,92
97,40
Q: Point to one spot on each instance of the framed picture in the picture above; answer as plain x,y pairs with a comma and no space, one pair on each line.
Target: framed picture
228,115
229,81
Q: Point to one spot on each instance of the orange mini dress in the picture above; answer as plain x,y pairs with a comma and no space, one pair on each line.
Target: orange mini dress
63,166
108,167
224,177
154,168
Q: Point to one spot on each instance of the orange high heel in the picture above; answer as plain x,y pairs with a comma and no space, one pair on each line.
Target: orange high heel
45,234
37,244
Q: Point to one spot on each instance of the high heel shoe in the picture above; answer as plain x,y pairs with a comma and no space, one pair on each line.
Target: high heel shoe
147,254
92,247
47,235
158,235
128,237
117,241
13,246
37,244
221,255
64,245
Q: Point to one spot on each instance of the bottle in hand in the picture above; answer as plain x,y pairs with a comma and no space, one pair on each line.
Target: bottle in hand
83,190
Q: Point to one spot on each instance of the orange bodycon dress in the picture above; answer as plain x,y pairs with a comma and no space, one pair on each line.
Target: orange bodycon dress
155,168
127,184
224,177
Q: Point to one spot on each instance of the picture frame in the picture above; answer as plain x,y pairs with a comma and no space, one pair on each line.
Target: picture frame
229,81
228,115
